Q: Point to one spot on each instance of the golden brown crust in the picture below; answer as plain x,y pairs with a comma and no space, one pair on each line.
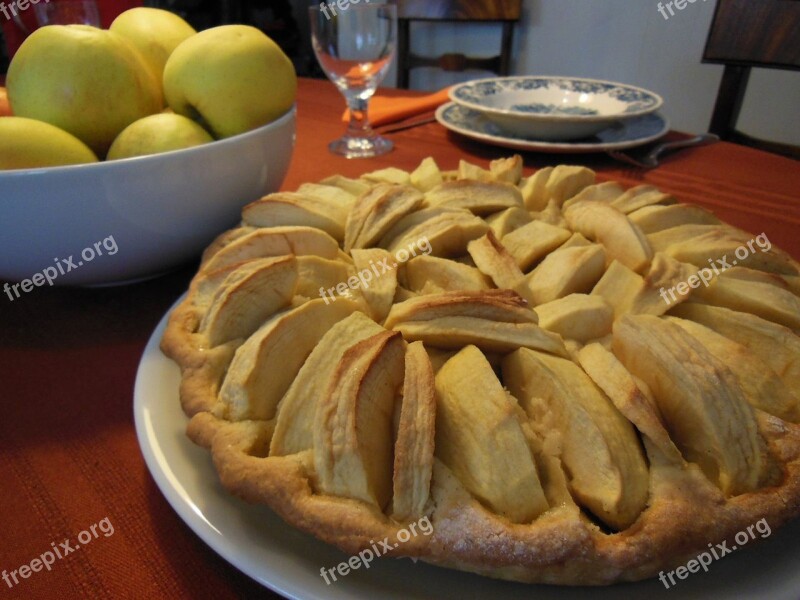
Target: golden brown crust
686,513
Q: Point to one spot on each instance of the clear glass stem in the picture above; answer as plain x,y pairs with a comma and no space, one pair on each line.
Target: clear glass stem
359,126
360,140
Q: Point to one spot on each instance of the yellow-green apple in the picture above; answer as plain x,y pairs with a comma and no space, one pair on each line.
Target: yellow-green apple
154,32
163,132
5,106
234,78
29,144
90,82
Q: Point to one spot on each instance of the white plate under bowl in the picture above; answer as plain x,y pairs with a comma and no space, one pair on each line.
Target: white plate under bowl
257,542
555,108
619,136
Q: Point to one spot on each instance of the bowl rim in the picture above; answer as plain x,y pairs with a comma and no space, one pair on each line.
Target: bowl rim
564,118
286,117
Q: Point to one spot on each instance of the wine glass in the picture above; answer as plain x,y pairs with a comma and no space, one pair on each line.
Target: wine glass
355,46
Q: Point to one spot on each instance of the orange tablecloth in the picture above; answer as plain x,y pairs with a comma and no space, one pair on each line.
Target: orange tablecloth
68,357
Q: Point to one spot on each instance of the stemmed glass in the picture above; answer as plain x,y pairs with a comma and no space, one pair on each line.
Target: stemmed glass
355,47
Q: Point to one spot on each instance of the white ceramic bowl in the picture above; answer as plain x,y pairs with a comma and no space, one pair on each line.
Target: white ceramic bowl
159,211
554,108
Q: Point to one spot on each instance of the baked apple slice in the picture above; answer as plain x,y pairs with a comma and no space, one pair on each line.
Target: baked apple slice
776,345
493,305
603,223
552,215
532,242
793,281
495,321
493,260
577,317
478,197
247,297
376,211
652,219
430,275
599,192
316,276
508,170
377,288
446,230
765,296
505,170
391,175
534,189
332,194
639,197
479,437
565,182
761,386
413,451
427,175
353,453
264,366
295,208
569,271
619,286
655,294
489,336
717,245
630,395
294,429
355,187
506,221
701,401
275,241
599,449
576,240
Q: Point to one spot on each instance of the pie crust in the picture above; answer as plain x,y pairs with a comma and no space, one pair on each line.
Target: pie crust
572,381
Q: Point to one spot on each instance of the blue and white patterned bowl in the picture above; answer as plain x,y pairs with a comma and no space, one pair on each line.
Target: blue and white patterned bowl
554,108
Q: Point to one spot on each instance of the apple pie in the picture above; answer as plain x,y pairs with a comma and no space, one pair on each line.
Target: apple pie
576,383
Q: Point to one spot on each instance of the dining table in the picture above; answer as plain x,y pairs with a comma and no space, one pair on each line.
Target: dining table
70,460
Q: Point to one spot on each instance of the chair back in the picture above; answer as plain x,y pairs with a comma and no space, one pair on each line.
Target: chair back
504,12
761,33
746,34
459,10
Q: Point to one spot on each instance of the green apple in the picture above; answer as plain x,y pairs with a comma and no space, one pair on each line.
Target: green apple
154,32
29,144
87,81
234,78
163,132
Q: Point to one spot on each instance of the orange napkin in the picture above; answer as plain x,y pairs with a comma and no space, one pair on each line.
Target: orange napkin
387,109
5,106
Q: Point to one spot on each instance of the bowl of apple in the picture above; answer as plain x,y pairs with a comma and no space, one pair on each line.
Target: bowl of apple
127,150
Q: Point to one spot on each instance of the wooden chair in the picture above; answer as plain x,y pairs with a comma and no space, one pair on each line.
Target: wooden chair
504,12
746,34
